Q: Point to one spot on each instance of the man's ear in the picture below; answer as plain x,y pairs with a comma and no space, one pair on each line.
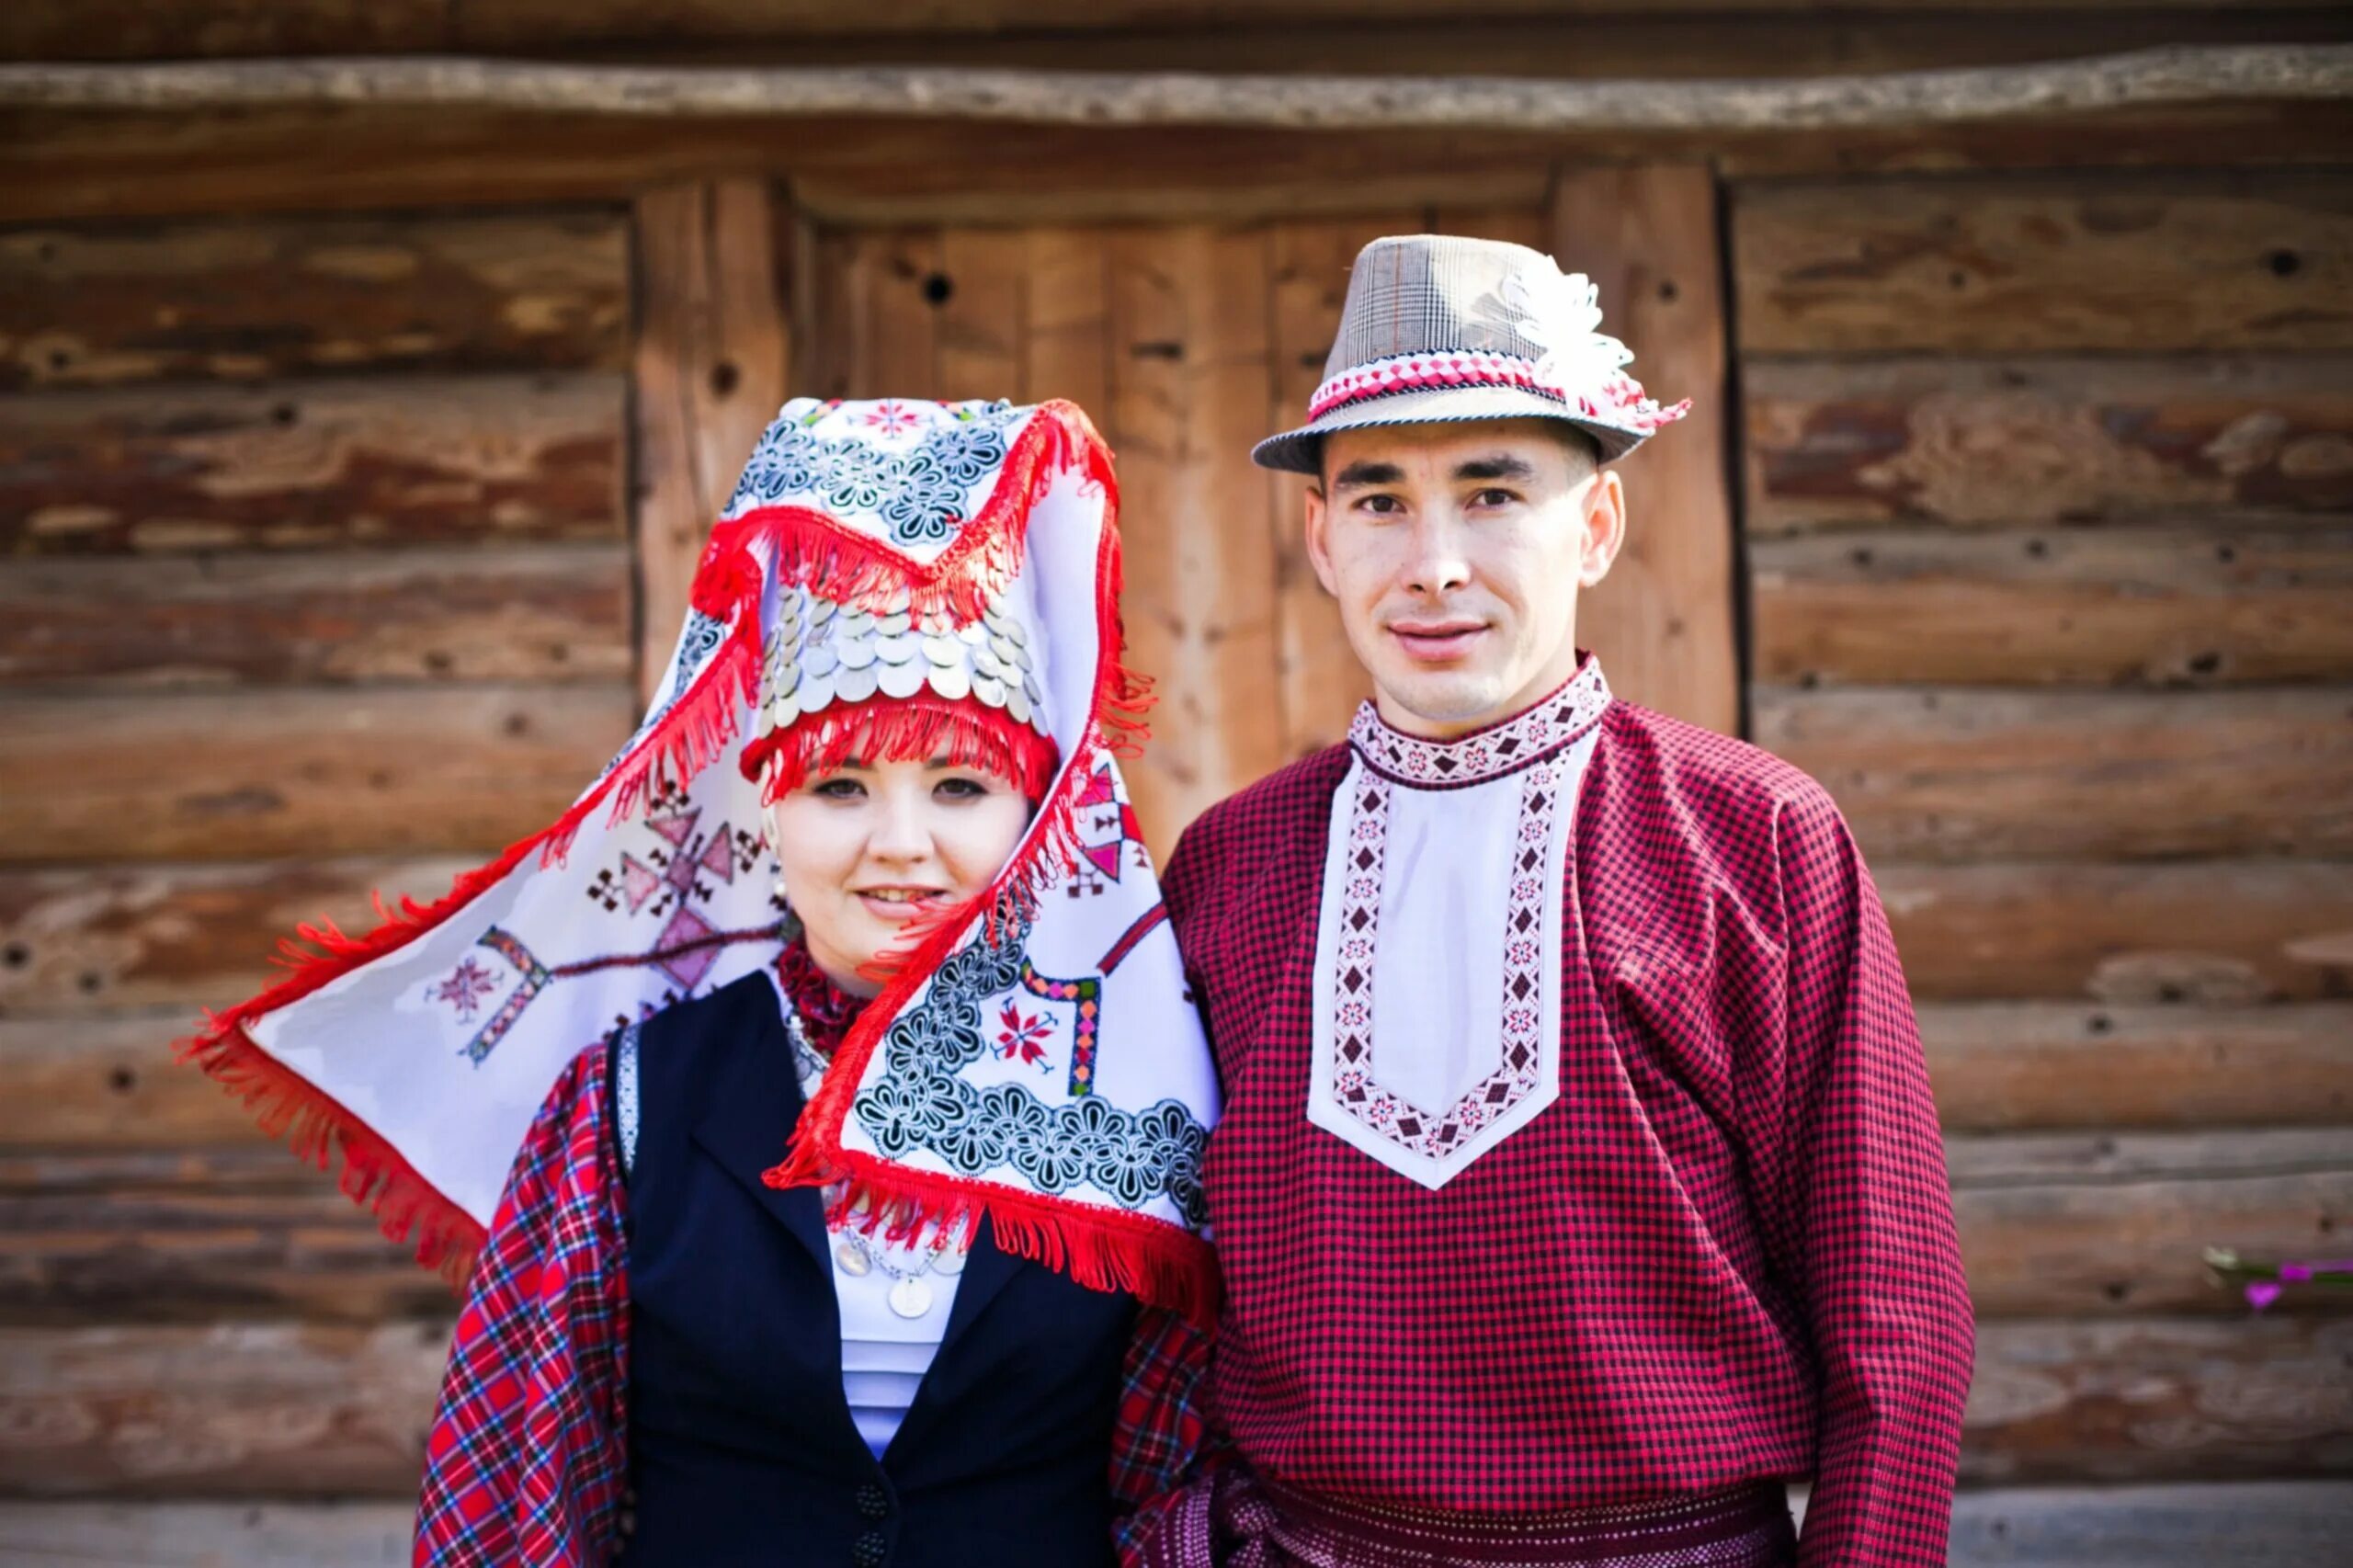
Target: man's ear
1319,541
1605,527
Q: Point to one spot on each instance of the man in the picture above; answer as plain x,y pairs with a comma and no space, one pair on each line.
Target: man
1578,1181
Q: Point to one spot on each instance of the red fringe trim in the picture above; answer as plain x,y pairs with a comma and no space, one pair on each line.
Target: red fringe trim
1159,1264
916,729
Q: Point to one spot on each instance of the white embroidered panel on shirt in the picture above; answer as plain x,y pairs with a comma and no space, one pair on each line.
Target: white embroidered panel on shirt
1530,766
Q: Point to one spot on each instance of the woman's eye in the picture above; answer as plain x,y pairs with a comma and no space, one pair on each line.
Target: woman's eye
958,790
839,790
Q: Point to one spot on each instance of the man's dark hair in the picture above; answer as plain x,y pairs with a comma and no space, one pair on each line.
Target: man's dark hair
1577,441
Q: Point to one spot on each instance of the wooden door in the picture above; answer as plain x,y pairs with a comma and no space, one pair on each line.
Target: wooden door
1188,343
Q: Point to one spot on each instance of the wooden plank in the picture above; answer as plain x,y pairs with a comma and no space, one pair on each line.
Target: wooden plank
391,461
232,1410
1977,774
280,1411
2083,1224
2123,606
2219,932
2020,1066
1662,620
980,320
2251,1524
544,614
1065,345
2160,1400
710,360
301,772
82,940
245,300
1190,393
2046,265
1322,681
192,1236
899,291
206,1535
109,1082
2041,443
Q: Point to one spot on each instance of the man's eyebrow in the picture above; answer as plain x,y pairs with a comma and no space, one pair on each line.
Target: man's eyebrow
1367,471
1502,465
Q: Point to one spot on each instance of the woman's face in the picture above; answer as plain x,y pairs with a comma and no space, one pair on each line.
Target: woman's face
872,846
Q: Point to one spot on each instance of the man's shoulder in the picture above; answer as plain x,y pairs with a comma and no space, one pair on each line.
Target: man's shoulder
1655,751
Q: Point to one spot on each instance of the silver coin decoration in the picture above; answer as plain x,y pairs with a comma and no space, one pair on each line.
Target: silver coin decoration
858,685
951,682
852,1258
820,653
910,1297
901,680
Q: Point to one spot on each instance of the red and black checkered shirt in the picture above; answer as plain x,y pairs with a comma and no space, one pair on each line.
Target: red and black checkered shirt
1726,1253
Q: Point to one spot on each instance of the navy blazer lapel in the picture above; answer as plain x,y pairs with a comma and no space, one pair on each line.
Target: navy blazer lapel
748,1115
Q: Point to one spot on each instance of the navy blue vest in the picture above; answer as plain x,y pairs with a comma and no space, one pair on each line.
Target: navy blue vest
742,1448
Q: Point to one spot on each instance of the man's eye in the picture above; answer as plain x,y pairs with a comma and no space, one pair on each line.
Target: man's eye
1382,506
1493,498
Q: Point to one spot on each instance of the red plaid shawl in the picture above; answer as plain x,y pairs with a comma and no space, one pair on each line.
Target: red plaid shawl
1726,1253
527,1461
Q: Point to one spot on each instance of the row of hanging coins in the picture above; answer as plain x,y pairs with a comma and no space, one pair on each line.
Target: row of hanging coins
820,653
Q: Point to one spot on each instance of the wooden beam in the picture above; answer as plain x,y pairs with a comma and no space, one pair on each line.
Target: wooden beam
2063,264
552,614
296,773
206,1535
2222,933
712,352
2248,1524
247,300
1975,775
1662,620
2015,1067
84,940
2252,440
2164,76
395,461
2181,607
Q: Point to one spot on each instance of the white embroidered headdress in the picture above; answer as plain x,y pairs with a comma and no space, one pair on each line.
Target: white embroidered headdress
891,578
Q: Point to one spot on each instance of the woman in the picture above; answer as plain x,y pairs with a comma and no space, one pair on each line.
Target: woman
830,1247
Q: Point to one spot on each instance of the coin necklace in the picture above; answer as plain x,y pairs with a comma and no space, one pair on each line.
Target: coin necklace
910,1296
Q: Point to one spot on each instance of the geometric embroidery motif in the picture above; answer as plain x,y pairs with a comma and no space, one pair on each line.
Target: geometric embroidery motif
1437,1132
1488,754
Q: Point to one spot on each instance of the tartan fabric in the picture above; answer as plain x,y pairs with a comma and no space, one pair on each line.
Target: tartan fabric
525,1461
1726,1253
1159,1435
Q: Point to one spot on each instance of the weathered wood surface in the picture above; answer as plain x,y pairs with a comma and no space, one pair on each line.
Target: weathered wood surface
192,1237
2020,1066
547,614
2137,607
1190,394
2222,932
1662,618
2135,263
1978,775
110,1084
2060,1225
2078,1225
2160,1400
206,1535
125,29
249,300
234,1410
1322,681
332,1411
2254,1524
297,773
395,461
711,371
84,940
2047,442
2162,76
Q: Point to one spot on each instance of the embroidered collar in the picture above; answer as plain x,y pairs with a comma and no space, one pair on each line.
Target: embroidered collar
1495,752
827,1010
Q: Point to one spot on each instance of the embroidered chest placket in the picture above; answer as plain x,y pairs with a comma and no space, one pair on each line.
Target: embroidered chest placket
1438,965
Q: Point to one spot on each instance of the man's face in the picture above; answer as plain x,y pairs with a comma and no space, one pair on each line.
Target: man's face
1455,553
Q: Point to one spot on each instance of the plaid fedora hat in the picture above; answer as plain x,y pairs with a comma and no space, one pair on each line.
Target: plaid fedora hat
1438,329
